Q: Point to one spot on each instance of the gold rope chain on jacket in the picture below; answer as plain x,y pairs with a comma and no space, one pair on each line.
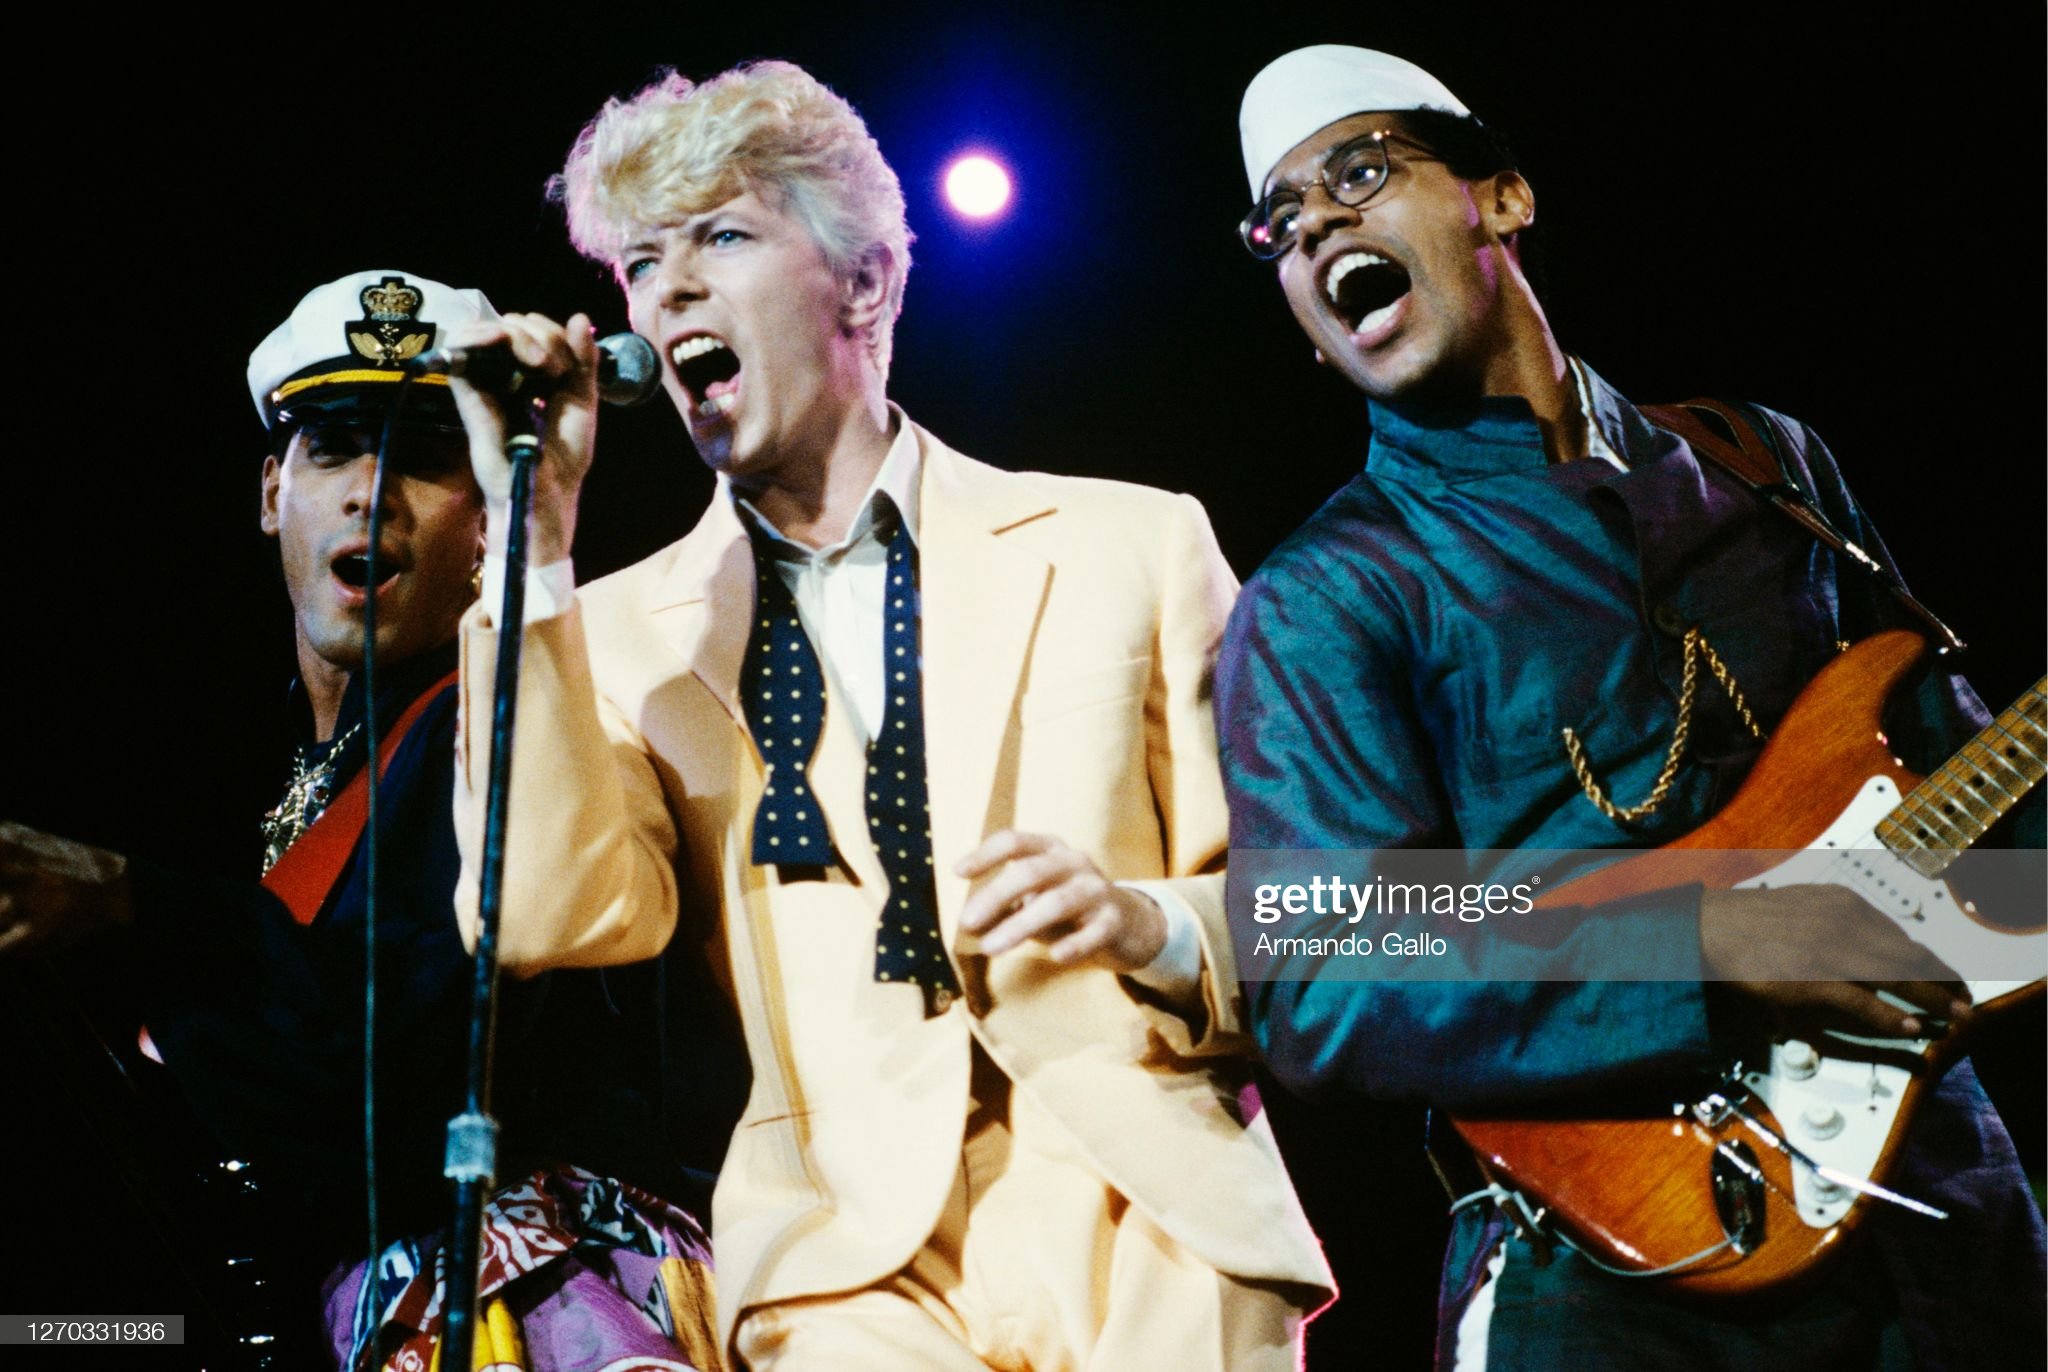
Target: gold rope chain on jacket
1696,645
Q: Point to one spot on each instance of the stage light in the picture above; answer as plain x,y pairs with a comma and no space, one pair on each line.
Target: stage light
977,186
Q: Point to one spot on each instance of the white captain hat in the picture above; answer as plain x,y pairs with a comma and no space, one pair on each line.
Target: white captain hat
344,347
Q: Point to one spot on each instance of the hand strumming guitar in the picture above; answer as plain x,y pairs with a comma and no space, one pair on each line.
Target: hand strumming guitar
1768,946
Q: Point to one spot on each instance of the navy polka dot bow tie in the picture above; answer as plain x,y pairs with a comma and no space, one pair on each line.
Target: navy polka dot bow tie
783,692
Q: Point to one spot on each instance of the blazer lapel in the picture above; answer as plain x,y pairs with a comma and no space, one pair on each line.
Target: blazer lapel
981,600
705,604
982,597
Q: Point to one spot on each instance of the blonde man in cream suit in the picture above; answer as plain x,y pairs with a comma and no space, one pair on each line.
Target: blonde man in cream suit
999,1115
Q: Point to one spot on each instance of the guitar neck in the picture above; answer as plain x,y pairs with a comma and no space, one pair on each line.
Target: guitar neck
1966,795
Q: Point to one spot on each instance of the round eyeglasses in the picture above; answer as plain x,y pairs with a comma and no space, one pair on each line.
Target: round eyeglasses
1352,175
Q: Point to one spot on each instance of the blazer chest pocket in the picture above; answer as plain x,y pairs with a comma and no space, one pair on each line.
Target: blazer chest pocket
1071,694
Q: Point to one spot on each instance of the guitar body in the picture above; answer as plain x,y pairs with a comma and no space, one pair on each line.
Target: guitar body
1639,1193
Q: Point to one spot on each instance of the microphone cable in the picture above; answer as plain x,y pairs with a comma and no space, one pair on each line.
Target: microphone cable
372,742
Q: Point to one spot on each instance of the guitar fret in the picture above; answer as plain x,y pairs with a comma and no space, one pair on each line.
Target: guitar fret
1979,785
1965,807
2027,735
1985,762
2021,750
2003,775
1931,805
1927,826
1967,794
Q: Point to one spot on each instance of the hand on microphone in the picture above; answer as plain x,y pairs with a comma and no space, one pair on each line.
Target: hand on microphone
565,354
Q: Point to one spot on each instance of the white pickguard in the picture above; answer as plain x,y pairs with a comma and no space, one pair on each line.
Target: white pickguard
1840,1111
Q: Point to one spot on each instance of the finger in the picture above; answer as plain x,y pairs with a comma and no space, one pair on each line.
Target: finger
14,936
1043,916
575,402
999,847
582,338
1085,942
1920,977
567,344
1868,1013
483,419
480,418
1021,878
540,344
1942,1000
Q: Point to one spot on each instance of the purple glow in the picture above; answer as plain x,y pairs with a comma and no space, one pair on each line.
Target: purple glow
977,186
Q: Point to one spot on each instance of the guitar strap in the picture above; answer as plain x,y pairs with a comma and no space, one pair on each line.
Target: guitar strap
304,876
1745,445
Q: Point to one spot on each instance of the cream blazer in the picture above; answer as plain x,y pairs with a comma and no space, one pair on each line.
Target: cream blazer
1069,631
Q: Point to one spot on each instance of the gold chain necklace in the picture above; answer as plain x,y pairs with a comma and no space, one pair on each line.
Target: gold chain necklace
312,786
1696,646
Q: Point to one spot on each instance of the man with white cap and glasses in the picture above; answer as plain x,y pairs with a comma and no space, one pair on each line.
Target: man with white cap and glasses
1481,643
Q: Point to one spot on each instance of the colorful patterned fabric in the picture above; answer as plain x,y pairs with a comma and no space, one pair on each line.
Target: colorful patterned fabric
578,1272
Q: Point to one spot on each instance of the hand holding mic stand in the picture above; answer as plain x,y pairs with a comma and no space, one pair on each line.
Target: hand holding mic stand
628,372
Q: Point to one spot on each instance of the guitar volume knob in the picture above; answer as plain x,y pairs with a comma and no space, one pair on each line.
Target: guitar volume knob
1797,1059
1821,1121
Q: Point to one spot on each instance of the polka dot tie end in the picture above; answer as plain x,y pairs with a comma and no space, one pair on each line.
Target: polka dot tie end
783,692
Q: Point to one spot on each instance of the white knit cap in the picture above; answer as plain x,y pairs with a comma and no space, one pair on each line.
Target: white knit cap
1312,88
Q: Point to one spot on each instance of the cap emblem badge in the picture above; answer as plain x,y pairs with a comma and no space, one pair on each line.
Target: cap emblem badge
391,331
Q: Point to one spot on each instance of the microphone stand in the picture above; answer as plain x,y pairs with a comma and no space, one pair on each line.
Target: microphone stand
472,1153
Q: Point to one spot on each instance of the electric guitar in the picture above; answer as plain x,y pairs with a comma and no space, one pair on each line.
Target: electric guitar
1757,1179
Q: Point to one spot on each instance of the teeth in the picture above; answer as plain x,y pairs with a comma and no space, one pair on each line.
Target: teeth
695,347
1377,318
1346,265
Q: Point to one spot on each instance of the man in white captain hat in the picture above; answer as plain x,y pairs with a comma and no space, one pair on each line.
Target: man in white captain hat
253,994
1482,643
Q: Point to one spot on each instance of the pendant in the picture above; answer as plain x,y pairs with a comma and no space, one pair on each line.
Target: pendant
312,786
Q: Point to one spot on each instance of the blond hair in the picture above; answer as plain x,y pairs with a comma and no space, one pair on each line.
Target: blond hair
677,148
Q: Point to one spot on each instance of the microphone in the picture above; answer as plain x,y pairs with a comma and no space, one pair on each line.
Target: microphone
628,368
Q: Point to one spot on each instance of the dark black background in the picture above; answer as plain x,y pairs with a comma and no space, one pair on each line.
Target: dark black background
1836,212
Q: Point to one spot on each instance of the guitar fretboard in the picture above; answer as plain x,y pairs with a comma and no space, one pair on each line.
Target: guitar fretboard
1966,795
